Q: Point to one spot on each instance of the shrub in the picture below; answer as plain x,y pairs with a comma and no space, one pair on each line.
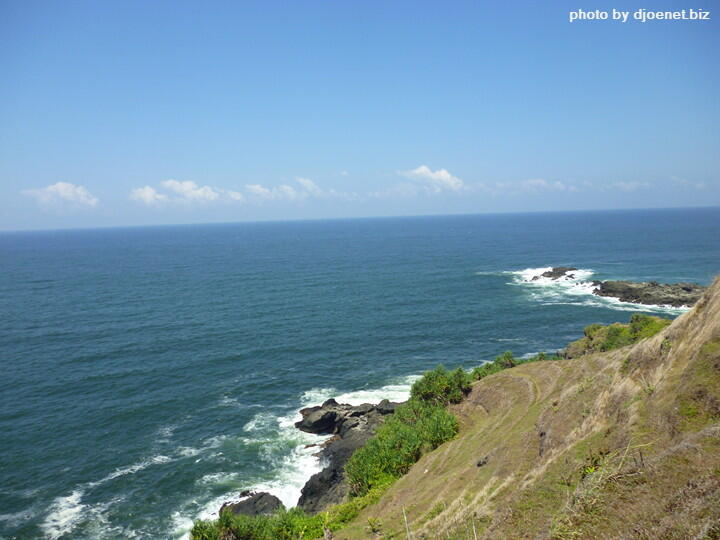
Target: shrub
285,525
415,428
441,387
645,326
591,329
618,335
418,426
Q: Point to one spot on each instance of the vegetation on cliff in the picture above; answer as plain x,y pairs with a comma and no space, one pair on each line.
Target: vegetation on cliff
618,443
417,427
553,450
600,338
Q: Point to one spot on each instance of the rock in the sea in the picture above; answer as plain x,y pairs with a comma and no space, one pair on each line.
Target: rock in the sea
323,419
676,294
557,273
330,417
256,504
352,427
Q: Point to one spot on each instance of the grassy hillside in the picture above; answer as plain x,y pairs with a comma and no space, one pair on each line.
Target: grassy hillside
617,444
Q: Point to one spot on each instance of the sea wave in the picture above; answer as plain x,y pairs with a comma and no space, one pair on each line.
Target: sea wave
66,512
291,453
576,288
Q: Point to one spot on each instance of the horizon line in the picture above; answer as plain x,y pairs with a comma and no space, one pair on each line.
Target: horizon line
357,218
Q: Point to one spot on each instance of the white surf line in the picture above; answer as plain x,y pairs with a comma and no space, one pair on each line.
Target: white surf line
575,284
295,469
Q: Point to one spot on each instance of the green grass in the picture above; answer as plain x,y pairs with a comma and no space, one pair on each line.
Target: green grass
420,425
293,524
417,427
506,361
599,338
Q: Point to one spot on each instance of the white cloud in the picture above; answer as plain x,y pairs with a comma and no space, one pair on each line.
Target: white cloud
310,186
536,184
275,193
63,192
147,195
630,186
438,180
685,183
191,191
259,191
235,195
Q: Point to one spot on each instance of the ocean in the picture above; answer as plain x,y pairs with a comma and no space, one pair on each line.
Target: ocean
150,374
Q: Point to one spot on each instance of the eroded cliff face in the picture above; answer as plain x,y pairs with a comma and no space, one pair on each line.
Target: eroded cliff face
351,427
620,444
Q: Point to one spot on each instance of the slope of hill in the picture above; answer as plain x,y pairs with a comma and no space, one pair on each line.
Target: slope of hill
618,444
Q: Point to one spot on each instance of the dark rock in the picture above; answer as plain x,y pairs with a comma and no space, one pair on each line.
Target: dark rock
677,294
556,273
386,407
352,426
330,417
360,410
256,504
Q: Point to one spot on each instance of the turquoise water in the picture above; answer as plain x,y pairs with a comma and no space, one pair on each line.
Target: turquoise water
151,373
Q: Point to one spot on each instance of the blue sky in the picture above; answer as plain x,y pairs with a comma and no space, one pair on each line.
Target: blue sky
132,113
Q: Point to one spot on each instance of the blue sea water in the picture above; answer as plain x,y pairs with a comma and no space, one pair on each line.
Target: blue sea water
149,374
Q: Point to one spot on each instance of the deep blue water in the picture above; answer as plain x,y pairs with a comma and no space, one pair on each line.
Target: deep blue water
148,374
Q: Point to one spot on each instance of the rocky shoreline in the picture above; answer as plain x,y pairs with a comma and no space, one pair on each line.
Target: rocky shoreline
648,293
350,426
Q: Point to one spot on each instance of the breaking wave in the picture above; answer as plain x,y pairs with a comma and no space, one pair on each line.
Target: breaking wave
576,288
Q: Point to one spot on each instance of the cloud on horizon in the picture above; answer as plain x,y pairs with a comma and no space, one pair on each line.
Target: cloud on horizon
191,191
148,195
63,192
438,180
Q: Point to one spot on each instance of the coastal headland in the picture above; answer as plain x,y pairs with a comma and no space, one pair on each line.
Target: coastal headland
621,435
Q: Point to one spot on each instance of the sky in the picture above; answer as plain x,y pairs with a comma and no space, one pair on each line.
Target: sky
122,113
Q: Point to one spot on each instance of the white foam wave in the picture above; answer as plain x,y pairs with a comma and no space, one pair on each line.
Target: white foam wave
66,512
218,478
573,283
131,469
291,470
399,391
63,515
261,422
294,471
574,288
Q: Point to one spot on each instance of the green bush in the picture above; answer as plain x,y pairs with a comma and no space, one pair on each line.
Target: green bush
505,361
416,428
618,335
591,329
291,524
645,326
441,387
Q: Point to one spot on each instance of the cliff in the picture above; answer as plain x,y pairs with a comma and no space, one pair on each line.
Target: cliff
617,444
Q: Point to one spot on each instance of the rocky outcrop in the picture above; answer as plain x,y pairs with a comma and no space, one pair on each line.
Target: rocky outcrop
351,426
255,504
676,294
557,273
649,293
